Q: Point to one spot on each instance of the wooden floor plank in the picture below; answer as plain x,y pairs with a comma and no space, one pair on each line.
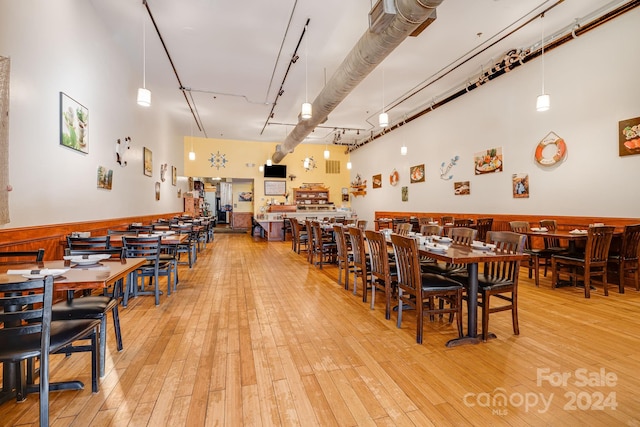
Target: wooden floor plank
255,335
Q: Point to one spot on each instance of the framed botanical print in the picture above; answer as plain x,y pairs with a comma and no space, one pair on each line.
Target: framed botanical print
74,124
174,175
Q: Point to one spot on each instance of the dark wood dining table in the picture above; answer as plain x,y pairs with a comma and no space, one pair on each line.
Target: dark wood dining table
102,275
460,254
570,236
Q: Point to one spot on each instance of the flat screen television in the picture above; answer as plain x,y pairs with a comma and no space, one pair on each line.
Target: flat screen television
275,171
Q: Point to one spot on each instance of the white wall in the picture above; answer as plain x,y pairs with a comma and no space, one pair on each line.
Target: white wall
62,46
593,82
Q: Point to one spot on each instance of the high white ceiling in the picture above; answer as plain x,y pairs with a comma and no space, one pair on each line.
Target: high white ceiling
232,56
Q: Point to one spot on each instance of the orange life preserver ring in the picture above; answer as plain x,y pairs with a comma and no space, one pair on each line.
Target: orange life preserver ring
561,150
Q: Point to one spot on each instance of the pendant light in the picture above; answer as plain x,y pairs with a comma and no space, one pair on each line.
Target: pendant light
269,162
383,118
543,102
144,94
306,111
326,153
192,154
403,150
349,166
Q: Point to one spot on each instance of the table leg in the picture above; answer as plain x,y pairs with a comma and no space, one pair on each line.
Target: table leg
472,310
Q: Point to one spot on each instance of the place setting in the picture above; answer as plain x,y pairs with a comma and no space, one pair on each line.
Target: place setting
86,261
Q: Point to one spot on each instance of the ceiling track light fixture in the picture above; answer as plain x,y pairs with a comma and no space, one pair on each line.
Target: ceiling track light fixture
144,94
543,101
383,118
307,110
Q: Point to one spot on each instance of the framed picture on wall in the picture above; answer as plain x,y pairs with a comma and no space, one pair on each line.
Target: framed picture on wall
629,136
174,175
275,188
74,124
147,162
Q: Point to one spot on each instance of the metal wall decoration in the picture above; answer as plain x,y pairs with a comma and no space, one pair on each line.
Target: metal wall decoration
121,150
218,160
444,171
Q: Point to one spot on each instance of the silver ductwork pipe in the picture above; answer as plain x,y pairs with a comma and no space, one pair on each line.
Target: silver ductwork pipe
370,51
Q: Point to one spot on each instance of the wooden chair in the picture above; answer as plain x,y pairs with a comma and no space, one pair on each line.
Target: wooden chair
299,237
626,260
403,228
323,246
500,279
522,227
483,225
430,230
383,275
424,220
587,266
459,236
551,244
344,256
418,290
29,333
446,220
462,222
361,263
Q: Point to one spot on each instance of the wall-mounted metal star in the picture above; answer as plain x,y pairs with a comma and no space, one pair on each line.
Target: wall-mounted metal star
218,160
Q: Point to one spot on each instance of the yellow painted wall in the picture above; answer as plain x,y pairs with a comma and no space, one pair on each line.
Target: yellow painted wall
240,155
240,187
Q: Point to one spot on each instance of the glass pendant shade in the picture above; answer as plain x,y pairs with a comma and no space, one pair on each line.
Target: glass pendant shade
543,102
261,168
306,111
349,165
403,150
144,97
327,154
192,155
269,162
383,120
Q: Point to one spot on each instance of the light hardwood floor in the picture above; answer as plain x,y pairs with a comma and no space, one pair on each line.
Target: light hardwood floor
255,336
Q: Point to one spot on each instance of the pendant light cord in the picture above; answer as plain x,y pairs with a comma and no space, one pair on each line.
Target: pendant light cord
306,64
382,89
144,55
542,51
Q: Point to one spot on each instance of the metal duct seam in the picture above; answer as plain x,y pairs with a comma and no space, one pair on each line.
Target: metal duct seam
369,52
